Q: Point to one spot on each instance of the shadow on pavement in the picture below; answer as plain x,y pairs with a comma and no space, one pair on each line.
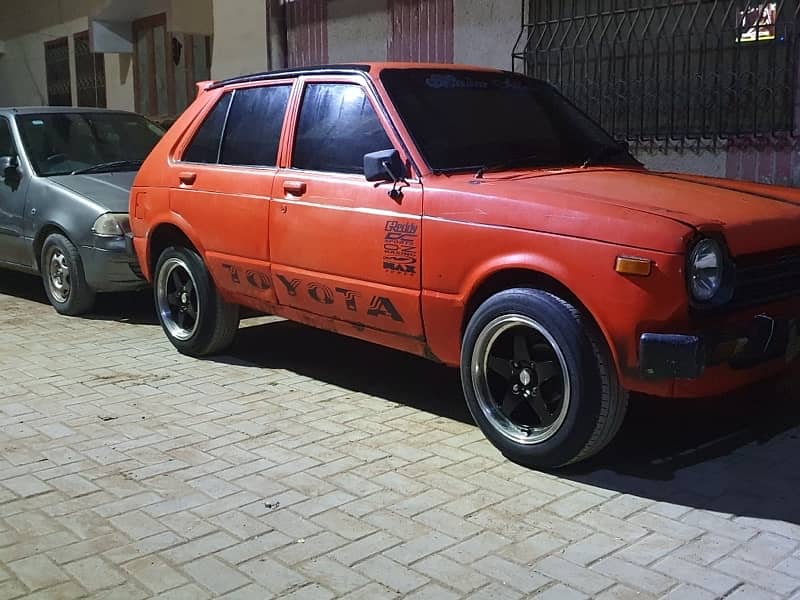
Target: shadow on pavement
353,365
125,307
735,454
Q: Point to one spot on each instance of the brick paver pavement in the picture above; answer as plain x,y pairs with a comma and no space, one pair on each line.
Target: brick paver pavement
305,465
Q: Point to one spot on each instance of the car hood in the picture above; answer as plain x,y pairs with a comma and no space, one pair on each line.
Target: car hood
659,211
110,191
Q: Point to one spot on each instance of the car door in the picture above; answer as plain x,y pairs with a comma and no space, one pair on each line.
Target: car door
341,247
13,190
223,183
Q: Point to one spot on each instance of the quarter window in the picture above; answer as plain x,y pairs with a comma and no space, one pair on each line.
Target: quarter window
253,130
336,128
204,148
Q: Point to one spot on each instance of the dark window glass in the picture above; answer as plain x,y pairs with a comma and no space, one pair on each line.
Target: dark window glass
474,119
254,126
60,143
6,141
337,127
204,148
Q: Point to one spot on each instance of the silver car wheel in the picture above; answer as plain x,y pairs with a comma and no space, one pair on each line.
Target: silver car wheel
176,299
58,274
520,379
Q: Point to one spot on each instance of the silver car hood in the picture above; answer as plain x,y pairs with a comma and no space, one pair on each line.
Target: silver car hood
110,191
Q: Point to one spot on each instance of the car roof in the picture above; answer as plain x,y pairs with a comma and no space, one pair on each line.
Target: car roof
343,69
43,110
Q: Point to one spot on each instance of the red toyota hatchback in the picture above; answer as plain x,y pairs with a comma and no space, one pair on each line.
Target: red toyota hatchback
477,218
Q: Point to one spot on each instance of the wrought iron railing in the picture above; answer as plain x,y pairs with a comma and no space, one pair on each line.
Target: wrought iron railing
663,71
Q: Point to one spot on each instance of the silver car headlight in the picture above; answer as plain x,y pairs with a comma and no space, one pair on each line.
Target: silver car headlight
706,270
111,225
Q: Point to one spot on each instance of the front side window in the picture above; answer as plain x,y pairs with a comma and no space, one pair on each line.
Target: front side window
336,128
204,147
253,130
63,143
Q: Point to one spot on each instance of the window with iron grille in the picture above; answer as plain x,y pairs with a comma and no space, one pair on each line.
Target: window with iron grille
660,70
90,71
56,60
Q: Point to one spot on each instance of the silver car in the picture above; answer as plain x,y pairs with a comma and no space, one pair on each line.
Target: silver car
65,176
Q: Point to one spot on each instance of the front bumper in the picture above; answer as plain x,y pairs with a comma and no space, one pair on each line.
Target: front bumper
111,265
744,346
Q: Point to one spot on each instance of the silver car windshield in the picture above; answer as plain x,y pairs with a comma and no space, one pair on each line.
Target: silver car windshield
63,143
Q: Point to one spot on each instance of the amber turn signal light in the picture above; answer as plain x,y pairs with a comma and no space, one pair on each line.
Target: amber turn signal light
633,266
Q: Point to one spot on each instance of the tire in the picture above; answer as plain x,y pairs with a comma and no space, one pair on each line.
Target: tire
64,278
538,380
192,314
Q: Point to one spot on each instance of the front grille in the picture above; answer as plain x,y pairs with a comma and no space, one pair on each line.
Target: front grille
766,277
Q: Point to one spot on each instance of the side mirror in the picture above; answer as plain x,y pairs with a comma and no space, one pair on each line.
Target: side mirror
385,165
8,163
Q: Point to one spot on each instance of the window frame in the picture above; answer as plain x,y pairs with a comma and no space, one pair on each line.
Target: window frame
191,133
377,106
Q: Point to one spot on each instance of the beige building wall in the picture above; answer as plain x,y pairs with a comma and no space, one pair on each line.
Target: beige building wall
119,81
357,30
23,68
485,32
26,26
194,16
240,38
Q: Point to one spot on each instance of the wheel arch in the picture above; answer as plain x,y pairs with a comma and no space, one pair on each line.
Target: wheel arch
164,235
508,276
41,235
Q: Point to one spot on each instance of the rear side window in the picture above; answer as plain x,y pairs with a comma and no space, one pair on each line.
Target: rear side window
253,131
204,148
337,127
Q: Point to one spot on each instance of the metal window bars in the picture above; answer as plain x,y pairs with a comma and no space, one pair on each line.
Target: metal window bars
90,73
670,73
56,60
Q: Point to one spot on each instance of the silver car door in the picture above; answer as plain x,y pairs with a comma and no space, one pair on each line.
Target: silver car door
13,187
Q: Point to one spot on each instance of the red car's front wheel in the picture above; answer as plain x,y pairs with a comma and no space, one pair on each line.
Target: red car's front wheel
537,379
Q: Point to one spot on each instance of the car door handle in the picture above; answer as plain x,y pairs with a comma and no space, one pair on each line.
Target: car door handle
296,188
187,178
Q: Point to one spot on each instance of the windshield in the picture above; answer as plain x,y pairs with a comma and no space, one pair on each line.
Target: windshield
61,143
464,120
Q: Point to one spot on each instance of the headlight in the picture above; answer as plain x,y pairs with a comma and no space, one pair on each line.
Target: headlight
111,225
706,270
